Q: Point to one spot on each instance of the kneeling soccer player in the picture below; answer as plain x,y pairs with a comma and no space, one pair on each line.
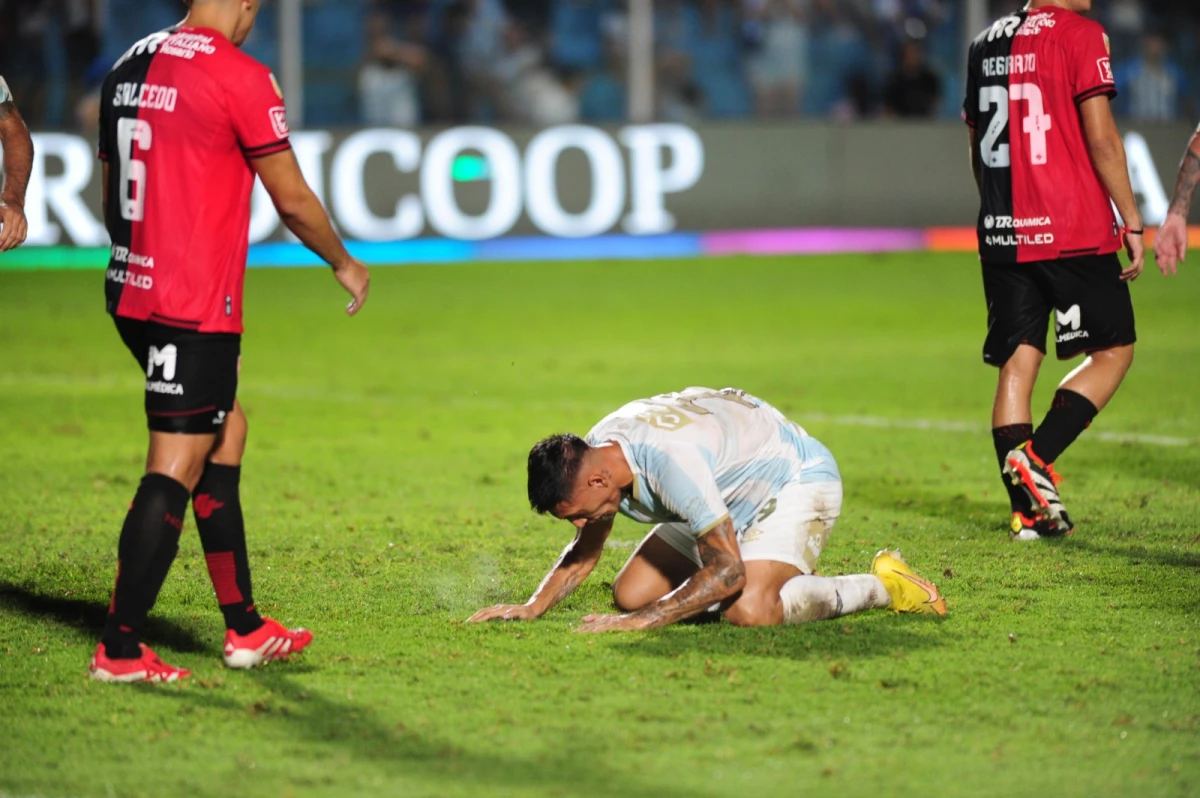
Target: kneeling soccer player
744,501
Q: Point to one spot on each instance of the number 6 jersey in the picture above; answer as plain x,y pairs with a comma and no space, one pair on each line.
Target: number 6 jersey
181,115
1041,198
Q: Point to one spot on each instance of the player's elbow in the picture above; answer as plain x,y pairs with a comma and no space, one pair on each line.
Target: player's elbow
291,206
1106,147
731,575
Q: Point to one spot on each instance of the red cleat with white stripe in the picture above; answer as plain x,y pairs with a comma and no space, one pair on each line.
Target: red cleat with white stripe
270,641
146,668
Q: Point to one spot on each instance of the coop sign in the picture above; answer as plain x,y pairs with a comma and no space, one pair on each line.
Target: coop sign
631,174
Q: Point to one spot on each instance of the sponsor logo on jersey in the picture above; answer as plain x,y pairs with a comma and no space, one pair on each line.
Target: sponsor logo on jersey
1009,223
1067,324
1020,239
186,45
1000,66
1035,24
145,95
1106,73
122,255
279,121
143,281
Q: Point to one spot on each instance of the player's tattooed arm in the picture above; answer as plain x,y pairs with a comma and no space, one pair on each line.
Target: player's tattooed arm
1188,179
18,165
723,575
574,565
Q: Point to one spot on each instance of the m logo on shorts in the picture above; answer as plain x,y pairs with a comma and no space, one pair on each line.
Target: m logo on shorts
1067,325
166,358
1071,318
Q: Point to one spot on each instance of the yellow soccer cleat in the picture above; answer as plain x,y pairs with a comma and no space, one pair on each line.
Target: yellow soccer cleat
909,592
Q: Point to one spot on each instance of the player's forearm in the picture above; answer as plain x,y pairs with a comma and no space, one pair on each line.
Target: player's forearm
1188,179
723,575
306,218
1108,157
574,565
560,582
18,155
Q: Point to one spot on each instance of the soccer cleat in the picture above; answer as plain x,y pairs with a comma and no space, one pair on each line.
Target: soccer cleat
909,592
1040,481
1025,527
270,641
146,668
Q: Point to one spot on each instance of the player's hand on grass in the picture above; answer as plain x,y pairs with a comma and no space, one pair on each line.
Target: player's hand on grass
14,226
1135,247
608,623
504,612
355,278
1170,245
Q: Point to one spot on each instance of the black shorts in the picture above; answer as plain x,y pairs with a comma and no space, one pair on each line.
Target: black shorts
191,377
1091,306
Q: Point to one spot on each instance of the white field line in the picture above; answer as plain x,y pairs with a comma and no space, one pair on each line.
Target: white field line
108,384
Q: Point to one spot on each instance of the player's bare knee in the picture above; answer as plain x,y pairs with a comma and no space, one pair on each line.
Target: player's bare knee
231,443
627,596
756,609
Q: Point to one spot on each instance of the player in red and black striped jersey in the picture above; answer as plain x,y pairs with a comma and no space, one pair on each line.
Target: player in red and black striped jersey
187,122
1049,163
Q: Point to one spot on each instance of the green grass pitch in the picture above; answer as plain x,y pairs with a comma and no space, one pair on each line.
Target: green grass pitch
384,495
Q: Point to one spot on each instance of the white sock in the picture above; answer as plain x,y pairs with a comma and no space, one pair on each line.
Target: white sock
815,598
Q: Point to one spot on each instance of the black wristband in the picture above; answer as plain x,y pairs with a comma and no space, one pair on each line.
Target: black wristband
1129,232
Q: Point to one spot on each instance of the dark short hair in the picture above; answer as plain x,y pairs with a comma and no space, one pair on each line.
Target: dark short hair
553,466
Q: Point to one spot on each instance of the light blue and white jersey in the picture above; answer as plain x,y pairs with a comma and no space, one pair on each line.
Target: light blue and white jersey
699,455
5,94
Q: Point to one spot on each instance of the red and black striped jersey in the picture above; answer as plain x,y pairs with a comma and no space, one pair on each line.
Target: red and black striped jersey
182,113
1041,197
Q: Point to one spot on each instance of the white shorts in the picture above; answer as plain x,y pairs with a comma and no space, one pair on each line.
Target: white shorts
792,528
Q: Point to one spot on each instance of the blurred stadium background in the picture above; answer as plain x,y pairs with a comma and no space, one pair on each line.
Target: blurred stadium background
523,129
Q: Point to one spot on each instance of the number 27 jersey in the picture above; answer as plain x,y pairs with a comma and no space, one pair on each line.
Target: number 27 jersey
1041,197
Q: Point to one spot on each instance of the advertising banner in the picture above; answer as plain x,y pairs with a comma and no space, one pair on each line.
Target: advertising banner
475,184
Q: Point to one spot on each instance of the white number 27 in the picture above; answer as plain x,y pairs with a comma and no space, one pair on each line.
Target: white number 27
133,171
1034,125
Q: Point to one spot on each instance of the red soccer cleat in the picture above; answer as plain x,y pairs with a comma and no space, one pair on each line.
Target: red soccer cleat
146,668
270,641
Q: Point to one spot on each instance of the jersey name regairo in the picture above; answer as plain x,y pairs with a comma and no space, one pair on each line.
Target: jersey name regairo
182,114
700,455
1041,198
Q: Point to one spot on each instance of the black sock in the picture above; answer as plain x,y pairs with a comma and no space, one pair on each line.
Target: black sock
1070,414
218,510
149,543
1005,439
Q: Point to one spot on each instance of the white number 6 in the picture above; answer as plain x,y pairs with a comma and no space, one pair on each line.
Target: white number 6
133,171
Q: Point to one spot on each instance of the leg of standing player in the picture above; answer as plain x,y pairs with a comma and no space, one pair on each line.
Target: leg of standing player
217,507
1019,308
1094,316
148,545
250,639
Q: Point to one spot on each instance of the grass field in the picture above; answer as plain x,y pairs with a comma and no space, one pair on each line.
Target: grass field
384,493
